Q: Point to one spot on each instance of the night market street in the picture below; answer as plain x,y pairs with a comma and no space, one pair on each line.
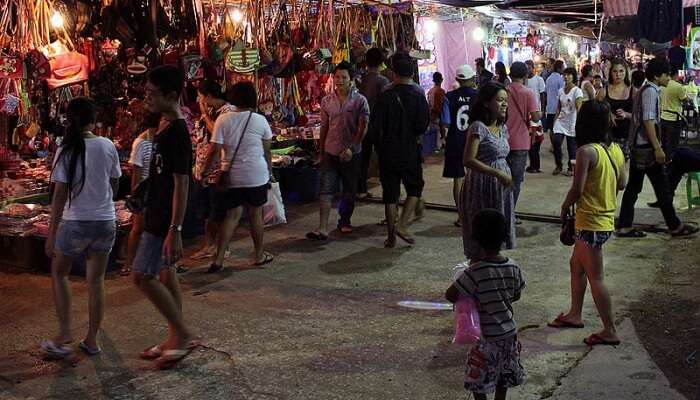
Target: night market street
322,321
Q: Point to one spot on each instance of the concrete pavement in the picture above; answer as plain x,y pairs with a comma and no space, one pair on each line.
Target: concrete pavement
322,321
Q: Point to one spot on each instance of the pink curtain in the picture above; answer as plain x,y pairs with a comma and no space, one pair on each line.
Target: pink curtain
452,50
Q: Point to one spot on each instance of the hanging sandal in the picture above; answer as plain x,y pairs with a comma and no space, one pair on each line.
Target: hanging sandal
686,230
632,233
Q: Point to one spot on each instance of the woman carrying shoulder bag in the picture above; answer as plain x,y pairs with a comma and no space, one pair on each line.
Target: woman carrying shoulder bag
83,221
245,137
600,173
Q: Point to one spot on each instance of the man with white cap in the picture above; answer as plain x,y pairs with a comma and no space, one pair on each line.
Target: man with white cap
455,119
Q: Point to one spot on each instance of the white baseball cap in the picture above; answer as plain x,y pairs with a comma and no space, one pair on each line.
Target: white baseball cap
465,72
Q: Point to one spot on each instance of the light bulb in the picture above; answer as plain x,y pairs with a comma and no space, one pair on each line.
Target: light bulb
478,34
572,48
57,20
237,15
567,41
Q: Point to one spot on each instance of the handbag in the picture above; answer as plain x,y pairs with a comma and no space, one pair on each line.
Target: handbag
67,69
243,60
193,65
38,65
136,201
221,177
567,235
11,66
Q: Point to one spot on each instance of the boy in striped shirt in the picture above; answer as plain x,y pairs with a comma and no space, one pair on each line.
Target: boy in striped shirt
495,282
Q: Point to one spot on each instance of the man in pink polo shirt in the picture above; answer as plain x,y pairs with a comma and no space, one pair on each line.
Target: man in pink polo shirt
522,108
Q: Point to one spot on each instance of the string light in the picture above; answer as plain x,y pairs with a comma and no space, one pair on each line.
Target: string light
57,20
237,15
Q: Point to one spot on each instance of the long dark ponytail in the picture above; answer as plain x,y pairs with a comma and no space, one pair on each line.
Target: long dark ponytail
81,112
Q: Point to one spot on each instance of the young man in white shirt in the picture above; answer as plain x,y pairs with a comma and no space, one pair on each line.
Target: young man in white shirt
537,85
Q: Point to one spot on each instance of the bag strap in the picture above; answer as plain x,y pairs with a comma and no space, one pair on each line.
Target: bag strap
245,128
520,110
641,111
611,162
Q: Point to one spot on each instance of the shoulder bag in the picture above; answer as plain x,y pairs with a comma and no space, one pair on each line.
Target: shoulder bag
642,157
221,178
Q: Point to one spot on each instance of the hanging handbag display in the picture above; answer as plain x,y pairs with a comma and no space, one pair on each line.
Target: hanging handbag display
567,235
67,69
193,66
243,60
11,66
38,66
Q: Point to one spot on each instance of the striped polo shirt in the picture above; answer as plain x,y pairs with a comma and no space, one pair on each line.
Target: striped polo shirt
495,286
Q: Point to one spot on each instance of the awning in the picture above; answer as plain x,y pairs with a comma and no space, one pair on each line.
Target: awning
624,8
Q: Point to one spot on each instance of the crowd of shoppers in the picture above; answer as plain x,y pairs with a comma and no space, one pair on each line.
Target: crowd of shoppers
492,126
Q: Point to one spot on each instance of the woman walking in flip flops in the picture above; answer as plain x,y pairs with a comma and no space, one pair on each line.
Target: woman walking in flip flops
599,175
83,222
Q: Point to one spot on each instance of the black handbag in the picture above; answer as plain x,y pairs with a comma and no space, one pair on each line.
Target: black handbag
137,200
567,236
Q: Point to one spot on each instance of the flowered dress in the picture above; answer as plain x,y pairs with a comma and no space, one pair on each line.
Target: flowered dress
482,191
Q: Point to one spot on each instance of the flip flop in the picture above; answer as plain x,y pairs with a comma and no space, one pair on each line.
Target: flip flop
151,353
559,323
457,224
390,243
266,260
57,351
632,233
595,340
89,350
406,238
170,358
686,230
346,229
318,236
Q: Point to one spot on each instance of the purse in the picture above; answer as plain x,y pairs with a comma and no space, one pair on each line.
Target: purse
221,177
193,65
11,66
567,235
243,60
136,201
67,69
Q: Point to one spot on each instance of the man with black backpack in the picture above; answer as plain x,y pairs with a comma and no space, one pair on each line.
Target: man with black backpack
401,118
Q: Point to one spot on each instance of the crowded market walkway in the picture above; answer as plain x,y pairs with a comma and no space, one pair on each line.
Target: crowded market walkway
322,322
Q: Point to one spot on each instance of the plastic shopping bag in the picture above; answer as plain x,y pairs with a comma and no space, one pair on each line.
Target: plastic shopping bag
467,323
273,210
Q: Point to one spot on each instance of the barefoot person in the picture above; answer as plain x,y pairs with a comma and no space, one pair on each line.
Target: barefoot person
600,174
401,119
161,244
83,221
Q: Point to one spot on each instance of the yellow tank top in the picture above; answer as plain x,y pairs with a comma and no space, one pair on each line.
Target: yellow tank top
595,210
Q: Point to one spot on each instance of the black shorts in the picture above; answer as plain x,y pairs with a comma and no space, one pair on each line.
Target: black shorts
391,179
236,197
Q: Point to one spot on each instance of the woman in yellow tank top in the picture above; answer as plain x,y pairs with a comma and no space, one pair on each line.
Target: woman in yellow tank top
600,173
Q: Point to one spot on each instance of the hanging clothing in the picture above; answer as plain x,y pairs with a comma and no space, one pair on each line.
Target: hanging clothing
659,21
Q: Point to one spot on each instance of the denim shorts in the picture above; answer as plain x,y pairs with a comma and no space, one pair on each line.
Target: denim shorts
75,238
148,259
594,239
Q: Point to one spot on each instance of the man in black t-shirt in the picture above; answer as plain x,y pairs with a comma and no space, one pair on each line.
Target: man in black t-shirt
401,118
455,117
161,243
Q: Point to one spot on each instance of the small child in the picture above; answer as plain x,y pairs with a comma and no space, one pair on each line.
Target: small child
598,83
495,282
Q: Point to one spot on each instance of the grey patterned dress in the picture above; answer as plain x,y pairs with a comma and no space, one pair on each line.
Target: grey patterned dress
482,191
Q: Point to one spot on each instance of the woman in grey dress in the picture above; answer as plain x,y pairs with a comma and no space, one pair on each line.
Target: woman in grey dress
488,182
